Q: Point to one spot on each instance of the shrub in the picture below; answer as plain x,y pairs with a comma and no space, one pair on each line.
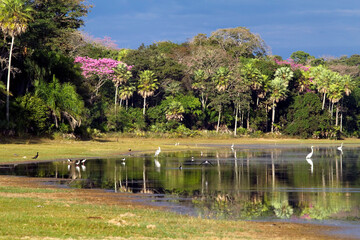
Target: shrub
32,115
306,117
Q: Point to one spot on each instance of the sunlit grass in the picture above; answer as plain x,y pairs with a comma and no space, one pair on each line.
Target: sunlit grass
59,219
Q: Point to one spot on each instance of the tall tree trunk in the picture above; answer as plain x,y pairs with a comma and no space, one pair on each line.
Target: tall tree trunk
202,100
341,121
236,119
337,115
144,105
248,119
323,105
273,117
218,123
127,102
8,82
116,95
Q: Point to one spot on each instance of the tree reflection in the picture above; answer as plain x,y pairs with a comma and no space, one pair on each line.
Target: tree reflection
247,183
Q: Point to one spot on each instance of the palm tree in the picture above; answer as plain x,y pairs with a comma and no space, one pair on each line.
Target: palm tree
126,91
147,85
199,83
255,79
62,100
322,77
14,18
279,88
122,75
221,79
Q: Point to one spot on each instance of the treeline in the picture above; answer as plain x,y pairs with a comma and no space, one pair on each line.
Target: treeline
62,81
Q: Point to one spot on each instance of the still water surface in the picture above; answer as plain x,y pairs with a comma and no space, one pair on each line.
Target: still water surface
256,182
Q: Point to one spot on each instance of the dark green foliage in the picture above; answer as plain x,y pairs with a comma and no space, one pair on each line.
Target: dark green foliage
130,120
54,22
32,115
300,57
182,101
351,107
305,117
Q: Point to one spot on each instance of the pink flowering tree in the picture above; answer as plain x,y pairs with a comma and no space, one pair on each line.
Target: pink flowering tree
305,81
102,70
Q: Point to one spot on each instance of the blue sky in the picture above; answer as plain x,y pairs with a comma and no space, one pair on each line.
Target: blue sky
319,27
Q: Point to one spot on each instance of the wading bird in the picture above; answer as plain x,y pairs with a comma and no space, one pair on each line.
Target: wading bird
157,152
310,154
36,156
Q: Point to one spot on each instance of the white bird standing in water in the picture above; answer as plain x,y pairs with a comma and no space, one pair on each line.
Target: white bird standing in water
340,148
310,154
157,152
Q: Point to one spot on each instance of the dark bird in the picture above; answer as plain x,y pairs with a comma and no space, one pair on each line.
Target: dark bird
129,149
180,167
206,162
36,156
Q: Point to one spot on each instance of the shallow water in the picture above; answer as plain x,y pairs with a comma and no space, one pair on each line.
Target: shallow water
252,182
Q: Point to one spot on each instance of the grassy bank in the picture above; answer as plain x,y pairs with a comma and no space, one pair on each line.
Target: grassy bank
34,211
16,150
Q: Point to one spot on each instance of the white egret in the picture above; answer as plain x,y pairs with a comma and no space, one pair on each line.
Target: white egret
232,147
157,152
310,154
83,161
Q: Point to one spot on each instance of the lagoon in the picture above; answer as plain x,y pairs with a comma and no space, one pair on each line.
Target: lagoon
248,182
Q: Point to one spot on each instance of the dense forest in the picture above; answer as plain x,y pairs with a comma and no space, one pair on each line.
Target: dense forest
56,80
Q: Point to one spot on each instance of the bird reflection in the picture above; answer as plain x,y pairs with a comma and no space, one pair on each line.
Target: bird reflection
157,163
75,168
311,164
340,148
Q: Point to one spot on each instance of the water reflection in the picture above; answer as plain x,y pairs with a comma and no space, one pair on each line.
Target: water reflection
238,182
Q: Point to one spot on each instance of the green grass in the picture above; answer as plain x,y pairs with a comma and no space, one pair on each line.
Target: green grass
34,213
8,189
16,150
58,219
